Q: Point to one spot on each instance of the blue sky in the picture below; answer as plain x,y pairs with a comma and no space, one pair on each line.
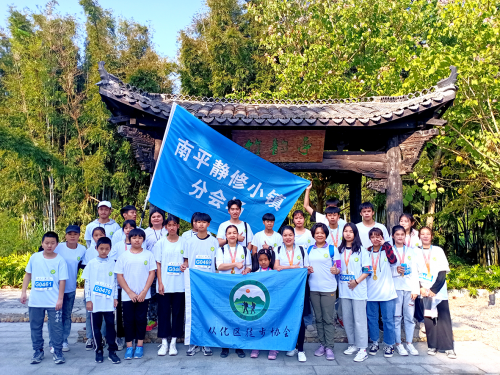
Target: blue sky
167,17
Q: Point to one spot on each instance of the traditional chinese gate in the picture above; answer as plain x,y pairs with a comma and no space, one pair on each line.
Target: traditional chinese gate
379,137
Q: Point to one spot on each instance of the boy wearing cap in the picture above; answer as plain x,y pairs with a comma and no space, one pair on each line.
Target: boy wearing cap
128,213
72,252
110,226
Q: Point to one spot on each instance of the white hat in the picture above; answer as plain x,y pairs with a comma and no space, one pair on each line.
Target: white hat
104,203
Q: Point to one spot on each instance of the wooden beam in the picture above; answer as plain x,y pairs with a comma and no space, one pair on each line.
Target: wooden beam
367,168
355,197
369,156
394,192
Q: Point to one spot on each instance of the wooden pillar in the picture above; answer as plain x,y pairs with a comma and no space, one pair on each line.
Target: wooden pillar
394,192
355,197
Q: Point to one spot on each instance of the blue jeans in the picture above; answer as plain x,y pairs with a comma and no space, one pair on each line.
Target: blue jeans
88,323
387,308
67,309
37,315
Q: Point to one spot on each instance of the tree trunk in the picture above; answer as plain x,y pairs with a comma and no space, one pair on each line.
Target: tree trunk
394,193
432,203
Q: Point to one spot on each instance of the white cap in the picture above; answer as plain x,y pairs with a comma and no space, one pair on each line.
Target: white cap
104,203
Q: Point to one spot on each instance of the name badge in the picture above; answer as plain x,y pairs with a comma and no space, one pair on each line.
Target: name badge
43,283
174,269
102,289
346,278
203,262
425,277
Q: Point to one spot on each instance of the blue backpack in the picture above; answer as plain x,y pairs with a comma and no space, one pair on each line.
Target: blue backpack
331,249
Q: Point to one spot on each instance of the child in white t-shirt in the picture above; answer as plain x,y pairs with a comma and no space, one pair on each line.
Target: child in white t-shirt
303,235
367,211
101,294
192,232
267,238
135,271
407,221
47,271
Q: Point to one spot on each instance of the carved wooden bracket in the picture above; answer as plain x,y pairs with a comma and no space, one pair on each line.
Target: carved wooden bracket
143,146
377,185
412,146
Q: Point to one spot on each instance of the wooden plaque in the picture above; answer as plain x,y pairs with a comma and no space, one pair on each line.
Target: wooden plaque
285,146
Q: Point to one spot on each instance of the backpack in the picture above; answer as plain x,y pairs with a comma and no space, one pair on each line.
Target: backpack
255,261
331,250
222,248
302,252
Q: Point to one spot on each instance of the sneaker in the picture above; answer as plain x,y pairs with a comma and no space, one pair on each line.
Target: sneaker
193,349
151,325
422,327
240,353
431,351
411,349
120,343
272,355
293,352
129,353
320,351
351,350
65,347
329,354
99,357
139,352
451,354
163,349
302,356
254,354
373,348
89,345
224,353
58,358
37,357
361,356
389,351
206,350
401,350
51,350
173,347
113,358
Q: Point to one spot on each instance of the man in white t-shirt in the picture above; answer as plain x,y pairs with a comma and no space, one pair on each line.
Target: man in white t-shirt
267,238
319,217
335,228
110,226
128,213
367,212
246,234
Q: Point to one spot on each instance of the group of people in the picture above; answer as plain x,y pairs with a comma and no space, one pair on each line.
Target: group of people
393,279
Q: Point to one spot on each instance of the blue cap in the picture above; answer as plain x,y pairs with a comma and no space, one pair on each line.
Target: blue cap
73,228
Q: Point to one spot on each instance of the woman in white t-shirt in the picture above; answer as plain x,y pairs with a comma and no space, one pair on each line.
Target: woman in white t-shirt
303,235
323,285
434,290
407,221
169,255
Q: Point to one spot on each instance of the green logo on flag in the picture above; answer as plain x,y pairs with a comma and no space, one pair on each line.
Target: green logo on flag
249,300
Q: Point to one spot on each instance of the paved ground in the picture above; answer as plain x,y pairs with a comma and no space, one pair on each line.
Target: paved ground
473,357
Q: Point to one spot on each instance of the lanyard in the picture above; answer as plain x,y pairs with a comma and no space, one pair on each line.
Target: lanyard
233,257
427,260
262,269
376,263
401,260
336,240
346,261
161,234
290,260
126,249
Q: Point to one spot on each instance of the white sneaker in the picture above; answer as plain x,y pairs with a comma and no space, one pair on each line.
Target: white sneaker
173,347
51,350
401,349
163,349
351,350
65,347
193,349
361,356
293,352
302,357
411,349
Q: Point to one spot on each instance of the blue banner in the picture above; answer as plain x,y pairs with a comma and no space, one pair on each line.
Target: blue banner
261,310
201,170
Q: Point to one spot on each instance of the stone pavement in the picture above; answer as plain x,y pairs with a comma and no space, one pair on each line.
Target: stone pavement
473,358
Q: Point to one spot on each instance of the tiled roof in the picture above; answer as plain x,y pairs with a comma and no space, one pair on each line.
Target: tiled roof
367,111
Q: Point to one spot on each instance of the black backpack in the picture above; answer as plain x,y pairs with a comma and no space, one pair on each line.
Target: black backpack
301,250
244,251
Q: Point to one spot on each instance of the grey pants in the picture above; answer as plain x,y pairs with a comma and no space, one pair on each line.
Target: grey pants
324,309
355,322
405,309
37,315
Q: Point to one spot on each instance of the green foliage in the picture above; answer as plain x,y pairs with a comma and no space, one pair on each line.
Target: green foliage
474,277
12,269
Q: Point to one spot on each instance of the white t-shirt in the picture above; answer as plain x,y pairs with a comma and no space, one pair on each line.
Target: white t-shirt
305,240
135,269
201,253
383,288
110,228
45,277
295,255
120,248
225,257
321,218
273,240
153,236
335,235
322,280
90,253
356,262
221,233
437,262
101,287
118,236
171,256
73,257
364,230
413,239
414,263
188,234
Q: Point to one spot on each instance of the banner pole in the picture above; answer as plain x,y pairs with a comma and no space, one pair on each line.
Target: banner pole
174,106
